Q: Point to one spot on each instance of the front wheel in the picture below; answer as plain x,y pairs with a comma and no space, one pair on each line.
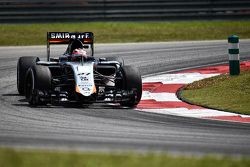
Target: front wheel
23,64
37,84
132,82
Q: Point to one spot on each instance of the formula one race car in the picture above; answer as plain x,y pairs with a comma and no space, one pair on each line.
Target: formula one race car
76,76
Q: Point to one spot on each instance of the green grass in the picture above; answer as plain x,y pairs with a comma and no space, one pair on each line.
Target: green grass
31,158
230,93
107,32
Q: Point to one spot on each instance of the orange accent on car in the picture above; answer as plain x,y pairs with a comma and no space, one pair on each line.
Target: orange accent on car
88,40
94,89
78,89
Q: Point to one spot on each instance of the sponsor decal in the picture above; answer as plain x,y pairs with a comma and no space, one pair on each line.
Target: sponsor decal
84,76
86,89
86,85
83,73
66,35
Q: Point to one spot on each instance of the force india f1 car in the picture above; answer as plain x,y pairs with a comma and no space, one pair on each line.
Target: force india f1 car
76,78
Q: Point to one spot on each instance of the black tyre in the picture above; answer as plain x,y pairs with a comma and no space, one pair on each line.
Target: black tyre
132,82
37,82
23,64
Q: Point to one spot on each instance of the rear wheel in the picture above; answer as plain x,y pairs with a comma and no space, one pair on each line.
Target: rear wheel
38,83
132,83
23,64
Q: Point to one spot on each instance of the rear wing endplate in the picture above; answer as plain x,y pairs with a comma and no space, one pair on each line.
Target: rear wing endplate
55,38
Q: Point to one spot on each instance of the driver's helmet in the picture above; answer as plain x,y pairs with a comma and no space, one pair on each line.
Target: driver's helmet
78,53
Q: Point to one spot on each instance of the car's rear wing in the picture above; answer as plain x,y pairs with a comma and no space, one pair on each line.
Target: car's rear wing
65,37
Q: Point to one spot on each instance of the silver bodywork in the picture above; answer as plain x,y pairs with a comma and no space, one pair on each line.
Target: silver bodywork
84,77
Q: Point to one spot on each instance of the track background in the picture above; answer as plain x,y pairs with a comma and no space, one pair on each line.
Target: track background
105,127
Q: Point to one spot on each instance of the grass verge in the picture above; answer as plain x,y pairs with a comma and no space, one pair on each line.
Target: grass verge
107,32
224,92
29,158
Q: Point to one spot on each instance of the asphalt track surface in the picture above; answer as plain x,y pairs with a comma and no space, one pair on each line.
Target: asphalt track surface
103,127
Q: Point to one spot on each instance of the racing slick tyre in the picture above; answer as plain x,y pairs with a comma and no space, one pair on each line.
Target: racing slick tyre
132,82
37,84
23,64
